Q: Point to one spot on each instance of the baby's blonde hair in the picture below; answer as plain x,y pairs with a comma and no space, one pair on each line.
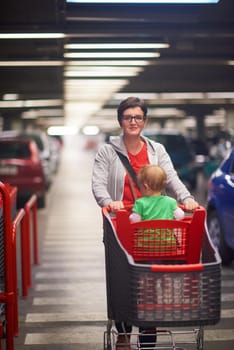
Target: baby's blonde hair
154,176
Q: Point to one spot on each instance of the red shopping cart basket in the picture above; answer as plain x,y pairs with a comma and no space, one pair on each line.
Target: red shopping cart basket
144,291
177,240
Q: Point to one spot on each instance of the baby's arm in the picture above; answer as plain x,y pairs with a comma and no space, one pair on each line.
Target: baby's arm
179,214
134,217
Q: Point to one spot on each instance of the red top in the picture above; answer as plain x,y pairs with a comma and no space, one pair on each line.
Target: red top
137,162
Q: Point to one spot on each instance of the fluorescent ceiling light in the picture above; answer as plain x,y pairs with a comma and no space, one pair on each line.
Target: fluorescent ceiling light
46,103
93,83
99,35
108,63
36,113
100,69
114,46
225,95
62,130
103,72
32,35
149,1
181,95
90,90
12,104
145,96
111,54
30,103
90,130
177,95
165,112
97,74
30,63
10,97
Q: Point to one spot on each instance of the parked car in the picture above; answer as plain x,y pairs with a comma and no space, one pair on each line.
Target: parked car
21,166
218,148
180,151
55,153
43,145
220,208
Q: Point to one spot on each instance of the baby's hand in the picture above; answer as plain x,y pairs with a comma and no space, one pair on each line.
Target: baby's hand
134,217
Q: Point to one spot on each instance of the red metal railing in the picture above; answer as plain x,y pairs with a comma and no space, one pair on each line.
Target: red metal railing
17,220
8,296
29,222
27,219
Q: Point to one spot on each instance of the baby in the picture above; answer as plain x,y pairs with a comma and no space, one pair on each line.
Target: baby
153,204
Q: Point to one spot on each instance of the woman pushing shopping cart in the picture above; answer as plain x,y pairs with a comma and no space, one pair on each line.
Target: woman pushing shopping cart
114,185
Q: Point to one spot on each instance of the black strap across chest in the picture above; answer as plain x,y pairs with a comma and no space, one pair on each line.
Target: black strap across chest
128,167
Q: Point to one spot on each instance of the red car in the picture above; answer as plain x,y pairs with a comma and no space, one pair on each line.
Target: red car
21,166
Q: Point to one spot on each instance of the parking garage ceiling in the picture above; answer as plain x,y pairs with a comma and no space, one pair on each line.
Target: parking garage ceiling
39,74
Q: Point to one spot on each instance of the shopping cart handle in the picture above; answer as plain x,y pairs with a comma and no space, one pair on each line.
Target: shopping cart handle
182,206
177,268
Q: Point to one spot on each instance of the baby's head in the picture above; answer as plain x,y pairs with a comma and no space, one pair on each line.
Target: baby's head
152,177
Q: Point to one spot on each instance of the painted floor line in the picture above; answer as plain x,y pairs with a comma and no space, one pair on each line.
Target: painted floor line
97,337
69,274
65,317
68,264
77,300
81,291
84,317
81,286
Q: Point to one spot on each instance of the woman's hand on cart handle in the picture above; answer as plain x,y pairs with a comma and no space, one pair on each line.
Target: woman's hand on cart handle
116,205
190,204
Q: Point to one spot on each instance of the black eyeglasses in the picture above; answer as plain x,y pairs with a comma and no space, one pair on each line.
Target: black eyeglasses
137,118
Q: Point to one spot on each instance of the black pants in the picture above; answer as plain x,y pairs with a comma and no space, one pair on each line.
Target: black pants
147,337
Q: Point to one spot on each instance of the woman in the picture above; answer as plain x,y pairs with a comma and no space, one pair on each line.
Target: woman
111,185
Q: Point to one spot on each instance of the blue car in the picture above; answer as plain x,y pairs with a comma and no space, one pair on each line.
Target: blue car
220,208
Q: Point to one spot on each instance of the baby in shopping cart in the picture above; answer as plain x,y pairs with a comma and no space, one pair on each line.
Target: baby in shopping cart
153,204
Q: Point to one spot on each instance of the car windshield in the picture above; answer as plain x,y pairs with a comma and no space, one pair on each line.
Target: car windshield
14,150
35,138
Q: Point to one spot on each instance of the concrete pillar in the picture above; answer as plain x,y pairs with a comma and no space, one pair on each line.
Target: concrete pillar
230,119
200,125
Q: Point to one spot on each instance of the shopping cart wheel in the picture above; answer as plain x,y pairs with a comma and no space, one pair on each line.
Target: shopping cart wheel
107,341
107,336
200,338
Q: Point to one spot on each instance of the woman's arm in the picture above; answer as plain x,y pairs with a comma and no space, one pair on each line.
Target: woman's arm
100,177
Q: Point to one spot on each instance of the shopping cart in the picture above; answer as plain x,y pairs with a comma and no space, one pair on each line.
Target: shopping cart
161,273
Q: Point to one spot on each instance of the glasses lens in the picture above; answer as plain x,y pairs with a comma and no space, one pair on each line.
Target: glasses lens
137,118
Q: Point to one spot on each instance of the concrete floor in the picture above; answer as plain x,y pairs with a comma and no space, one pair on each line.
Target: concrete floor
66,307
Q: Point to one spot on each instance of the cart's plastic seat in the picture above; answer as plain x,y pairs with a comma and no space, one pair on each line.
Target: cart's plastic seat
166,240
